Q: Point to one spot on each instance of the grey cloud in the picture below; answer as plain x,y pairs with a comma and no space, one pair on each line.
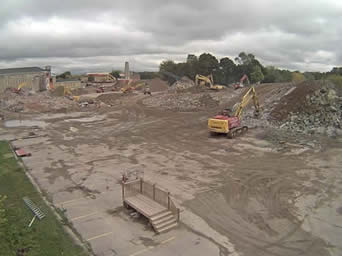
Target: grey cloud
73,34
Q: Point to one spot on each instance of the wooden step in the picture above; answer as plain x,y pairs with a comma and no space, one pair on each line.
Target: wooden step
167,228
166,218
165,223
160,215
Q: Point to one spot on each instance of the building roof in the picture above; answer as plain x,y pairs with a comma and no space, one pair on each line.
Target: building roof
20,70
68,80
97,74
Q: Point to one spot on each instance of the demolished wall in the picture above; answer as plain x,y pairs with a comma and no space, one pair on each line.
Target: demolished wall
312,107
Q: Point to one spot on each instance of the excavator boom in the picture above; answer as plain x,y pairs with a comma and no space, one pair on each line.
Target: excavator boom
208,80
231,125
250,94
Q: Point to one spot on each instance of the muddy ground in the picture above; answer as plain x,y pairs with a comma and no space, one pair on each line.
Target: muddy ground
266,193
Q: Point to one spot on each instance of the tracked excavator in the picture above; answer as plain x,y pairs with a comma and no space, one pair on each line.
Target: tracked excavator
230,124
18,89
130,87
207,81
241,83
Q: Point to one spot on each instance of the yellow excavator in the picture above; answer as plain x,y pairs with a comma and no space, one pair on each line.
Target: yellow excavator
18,89
68,94
131,87
228,124
207,81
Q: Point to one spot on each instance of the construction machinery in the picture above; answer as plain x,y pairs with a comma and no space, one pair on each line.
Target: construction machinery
147,91
241,84
130,87
207,81
18,89
228,124
102,89
68,94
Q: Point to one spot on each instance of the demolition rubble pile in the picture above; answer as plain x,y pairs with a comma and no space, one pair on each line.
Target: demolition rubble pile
320,111
182,102
27,101
182,84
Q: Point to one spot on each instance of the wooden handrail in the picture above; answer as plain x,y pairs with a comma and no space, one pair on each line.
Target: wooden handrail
165,195
130,182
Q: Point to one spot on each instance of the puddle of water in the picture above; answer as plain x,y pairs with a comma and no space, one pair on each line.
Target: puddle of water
87,119
25,123
59,115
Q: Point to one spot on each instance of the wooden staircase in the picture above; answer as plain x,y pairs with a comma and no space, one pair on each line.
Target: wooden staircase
163,221
153,203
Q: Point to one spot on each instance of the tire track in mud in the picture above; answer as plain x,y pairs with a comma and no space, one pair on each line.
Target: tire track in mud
247,236
251,208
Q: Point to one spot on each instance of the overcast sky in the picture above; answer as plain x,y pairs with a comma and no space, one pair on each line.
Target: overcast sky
89,35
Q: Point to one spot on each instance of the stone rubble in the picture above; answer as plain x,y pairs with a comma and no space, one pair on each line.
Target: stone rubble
183,84
321,114
183,102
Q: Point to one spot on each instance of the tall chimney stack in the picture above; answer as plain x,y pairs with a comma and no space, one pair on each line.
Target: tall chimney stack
127,74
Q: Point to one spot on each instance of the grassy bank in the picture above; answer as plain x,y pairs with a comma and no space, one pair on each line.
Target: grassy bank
46,237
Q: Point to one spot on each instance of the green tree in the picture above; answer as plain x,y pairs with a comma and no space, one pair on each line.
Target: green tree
65,75
247,65
228,69
336,79
272,75
257,75
336,71
286,75
309,76
275,75
168,66
245,59
192,66
191,58
115,73
297,77
207,63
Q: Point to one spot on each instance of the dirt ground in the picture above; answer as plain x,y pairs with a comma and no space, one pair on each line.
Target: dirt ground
266,193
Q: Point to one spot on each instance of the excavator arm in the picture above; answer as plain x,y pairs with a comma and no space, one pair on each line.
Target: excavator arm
250,94
18,89
206,79
21,86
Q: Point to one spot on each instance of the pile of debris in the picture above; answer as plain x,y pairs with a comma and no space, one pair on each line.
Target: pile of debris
207,101
156,84
27,101
182,84
183,102
111,99
321,113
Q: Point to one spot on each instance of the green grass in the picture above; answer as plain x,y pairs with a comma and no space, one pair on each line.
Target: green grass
46,237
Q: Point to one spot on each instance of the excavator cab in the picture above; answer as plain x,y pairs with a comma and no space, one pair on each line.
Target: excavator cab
226,112
230,124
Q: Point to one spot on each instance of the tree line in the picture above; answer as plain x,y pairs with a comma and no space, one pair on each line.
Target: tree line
227,71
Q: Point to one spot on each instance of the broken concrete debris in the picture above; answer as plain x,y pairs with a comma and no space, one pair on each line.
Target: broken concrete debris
182,84
321,114
312,107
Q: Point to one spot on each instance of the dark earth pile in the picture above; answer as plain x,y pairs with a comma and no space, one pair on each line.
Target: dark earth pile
313,107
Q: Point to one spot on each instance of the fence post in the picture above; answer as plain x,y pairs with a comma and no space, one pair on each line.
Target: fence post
123,190
168,200
154,191
141,186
